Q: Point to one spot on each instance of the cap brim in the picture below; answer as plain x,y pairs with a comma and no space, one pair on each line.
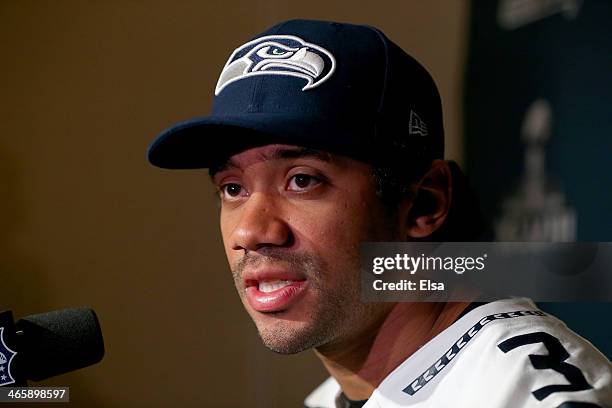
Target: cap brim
208,141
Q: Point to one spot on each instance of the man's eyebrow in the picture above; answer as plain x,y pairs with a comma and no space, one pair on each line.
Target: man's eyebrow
281,153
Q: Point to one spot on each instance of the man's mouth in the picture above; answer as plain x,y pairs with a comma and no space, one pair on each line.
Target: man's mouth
273,295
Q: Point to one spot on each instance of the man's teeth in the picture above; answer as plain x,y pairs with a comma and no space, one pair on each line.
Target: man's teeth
271,286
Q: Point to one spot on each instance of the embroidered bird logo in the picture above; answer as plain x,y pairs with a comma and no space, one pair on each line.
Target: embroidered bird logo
278,55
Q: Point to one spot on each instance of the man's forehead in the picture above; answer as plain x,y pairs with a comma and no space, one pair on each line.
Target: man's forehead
270,152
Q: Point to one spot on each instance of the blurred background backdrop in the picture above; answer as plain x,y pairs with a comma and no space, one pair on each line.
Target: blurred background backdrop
85,220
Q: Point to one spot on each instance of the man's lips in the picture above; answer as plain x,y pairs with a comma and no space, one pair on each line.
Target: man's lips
253,277
273,291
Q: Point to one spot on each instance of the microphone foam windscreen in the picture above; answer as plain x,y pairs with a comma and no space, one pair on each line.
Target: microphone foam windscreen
57,342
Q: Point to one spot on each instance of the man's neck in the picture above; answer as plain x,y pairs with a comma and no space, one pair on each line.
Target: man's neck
362,362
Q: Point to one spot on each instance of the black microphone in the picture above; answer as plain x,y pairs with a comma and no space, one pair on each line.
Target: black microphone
48,344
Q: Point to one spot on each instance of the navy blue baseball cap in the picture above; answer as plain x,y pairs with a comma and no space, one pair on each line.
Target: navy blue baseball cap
343,88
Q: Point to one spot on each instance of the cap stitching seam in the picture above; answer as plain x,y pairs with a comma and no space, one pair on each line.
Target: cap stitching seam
384,87
257,86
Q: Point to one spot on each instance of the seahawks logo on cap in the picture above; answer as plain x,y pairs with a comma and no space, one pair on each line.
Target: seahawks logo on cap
278,55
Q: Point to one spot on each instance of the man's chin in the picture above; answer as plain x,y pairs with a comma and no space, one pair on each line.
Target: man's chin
301,326
289,337
282,343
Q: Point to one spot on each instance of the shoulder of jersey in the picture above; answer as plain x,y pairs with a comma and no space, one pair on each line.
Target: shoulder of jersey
503,354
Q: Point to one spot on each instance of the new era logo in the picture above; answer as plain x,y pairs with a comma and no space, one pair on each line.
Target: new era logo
416,125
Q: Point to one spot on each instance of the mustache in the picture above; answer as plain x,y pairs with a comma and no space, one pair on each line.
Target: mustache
306,264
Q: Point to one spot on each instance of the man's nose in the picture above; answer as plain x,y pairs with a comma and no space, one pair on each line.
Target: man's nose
260,225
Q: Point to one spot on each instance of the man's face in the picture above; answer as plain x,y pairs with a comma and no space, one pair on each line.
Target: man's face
292,221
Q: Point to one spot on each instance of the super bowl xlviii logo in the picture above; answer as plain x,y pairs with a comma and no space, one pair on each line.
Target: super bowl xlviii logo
6,356
278,55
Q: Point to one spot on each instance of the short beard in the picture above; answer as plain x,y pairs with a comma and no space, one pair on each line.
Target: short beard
327,323
337,310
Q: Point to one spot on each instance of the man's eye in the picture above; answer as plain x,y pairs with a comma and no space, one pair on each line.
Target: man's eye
231,190
302,181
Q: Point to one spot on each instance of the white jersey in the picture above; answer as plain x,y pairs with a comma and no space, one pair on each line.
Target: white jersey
506,353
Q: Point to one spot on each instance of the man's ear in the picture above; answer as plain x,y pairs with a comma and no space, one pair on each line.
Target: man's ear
427,209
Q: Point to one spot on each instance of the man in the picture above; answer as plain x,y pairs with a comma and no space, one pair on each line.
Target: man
324,136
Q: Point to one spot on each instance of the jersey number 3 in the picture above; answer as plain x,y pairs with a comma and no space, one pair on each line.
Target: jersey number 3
555,360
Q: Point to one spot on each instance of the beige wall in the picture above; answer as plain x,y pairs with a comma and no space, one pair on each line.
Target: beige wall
84,220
